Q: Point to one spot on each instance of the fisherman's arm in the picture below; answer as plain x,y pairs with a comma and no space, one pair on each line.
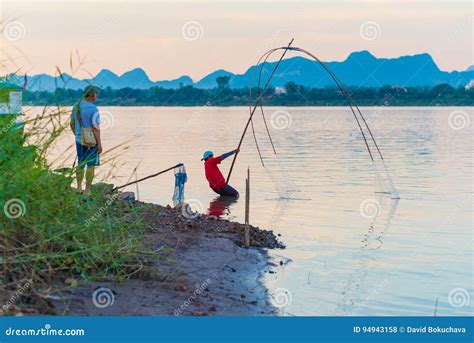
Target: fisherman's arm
96,131
230,153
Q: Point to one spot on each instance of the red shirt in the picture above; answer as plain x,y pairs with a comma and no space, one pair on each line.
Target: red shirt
213,174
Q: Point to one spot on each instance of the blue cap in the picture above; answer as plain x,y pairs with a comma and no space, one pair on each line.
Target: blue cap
207,154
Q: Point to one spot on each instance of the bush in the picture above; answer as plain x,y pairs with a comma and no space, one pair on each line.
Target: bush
47,228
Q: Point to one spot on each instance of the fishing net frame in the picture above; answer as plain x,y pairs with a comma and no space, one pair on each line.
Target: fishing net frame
383,181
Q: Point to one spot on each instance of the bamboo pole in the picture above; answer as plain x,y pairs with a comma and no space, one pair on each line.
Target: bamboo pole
255,107
148,177
247,209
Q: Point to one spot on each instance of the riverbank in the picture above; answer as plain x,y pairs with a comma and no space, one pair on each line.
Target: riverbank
201,268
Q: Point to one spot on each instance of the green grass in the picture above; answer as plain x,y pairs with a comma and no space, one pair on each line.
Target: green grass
49,230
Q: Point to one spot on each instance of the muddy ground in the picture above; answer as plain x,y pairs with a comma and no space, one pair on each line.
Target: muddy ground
202,269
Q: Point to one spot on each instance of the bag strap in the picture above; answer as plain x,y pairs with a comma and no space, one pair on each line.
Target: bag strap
78,114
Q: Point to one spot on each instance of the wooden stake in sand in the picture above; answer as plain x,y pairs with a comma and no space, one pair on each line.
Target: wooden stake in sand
247,209
136,183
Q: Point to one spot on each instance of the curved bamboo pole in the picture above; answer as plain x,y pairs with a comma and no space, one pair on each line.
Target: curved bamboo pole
255,107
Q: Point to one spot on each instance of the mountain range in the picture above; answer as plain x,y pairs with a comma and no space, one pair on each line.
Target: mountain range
360,69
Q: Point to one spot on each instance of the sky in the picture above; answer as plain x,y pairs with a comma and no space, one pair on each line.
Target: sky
169,39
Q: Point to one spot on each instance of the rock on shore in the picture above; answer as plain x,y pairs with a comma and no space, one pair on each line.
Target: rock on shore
201,268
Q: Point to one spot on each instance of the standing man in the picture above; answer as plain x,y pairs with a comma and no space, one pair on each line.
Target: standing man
85,121
214,175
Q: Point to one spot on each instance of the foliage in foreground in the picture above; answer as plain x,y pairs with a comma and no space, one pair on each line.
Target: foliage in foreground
47,228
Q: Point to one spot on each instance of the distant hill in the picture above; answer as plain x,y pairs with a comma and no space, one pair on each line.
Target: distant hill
176,83
360,69
210,80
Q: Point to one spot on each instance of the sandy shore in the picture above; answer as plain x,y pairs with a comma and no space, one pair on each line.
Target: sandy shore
202,269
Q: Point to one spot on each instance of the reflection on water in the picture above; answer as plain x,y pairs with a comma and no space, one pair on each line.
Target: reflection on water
221,206
344,261
354,292
373,239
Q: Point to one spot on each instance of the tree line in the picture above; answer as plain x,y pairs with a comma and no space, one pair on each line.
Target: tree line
289,95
